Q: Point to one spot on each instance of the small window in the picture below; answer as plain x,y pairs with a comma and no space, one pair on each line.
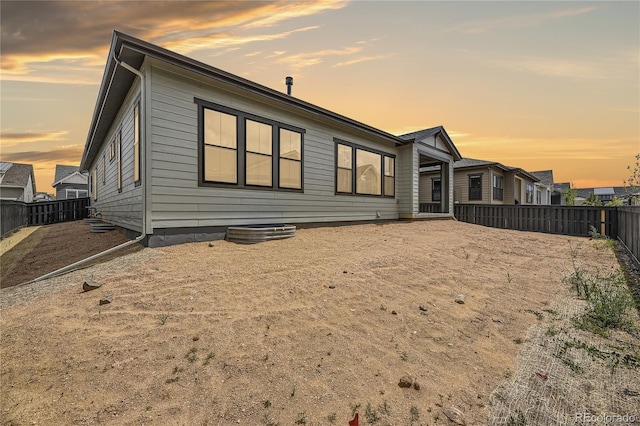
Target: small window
538,197
136,144
104,168
112,149
498,187
344,169
475,187
529,193
368,172
119,155
436,190
94,179
389,176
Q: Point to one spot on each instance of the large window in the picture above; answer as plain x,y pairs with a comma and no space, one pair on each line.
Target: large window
529,193
243,150
374,172
368,165
498,187
475,187
136,144
436,190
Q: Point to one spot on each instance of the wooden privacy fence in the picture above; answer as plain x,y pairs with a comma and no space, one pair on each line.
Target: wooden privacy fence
16,214
622,223
13,215
566,220
629,229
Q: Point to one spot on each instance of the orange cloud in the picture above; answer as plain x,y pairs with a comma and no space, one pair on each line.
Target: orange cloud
16,138
34,40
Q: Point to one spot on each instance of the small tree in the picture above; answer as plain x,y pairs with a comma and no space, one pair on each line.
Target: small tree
569,196
632,185
615,202
592,200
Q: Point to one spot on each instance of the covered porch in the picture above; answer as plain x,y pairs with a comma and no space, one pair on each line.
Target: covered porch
426,181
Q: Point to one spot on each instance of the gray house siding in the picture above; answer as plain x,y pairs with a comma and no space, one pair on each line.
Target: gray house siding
177,200
123,208
61,193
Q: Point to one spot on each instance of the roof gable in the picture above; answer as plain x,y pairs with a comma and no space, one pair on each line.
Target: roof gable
64,171
440,135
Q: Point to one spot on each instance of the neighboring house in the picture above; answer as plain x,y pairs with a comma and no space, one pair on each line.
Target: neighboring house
606,194
17,182
70,183
544,187
178,151
42,197
482,182
557,196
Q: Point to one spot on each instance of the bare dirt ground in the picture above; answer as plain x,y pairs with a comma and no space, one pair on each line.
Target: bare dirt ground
299,331
51,247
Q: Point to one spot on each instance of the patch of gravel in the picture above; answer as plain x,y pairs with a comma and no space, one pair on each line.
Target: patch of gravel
28,291
546,388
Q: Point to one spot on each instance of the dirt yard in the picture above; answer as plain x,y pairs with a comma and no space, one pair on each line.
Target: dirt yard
300,331
51,247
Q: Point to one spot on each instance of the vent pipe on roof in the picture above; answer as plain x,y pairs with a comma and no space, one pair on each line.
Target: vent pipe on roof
289,82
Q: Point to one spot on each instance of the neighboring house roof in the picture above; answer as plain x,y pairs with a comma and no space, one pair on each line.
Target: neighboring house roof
563,186
17,175
64,173
603,191
116,82
473,163
434,131
545,177
584,192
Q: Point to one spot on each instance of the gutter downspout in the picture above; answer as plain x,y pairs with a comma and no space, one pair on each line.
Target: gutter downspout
144,206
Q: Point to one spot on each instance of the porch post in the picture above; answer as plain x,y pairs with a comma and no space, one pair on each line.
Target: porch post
444,187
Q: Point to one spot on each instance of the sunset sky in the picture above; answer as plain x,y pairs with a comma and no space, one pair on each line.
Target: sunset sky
537,85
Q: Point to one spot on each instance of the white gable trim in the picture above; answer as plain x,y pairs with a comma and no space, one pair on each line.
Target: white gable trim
75,177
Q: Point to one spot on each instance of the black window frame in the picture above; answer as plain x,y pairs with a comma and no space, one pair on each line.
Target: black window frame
498,191
241,151
354,147
112,150
137,147
118,142
433,189
477,197
529,192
